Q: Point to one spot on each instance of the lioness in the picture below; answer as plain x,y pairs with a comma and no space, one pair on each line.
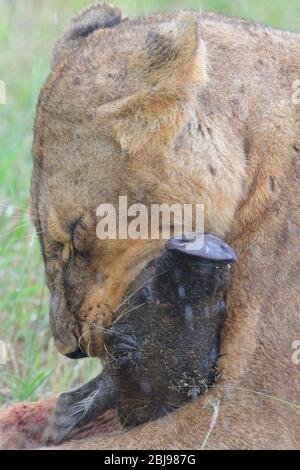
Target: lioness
183,107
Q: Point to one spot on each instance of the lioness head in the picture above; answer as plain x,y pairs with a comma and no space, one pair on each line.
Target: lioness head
122,113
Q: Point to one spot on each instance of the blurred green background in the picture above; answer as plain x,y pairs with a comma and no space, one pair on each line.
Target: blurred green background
27,31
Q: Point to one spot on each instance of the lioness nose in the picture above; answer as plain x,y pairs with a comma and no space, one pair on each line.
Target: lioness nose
78,354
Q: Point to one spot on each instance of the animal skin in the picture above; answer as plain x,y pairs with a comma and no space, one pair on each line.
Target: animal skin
30,425
163,347
183,107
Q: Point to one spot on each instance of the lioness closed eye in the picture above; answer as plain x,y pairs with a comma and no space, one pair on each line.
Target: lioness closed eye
190,108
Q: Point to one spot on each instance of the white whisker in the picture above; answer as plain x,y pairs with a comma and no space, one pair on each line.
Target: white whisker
265,395
88,350
107,329
80,338
127,311
84,405
109,354
139,288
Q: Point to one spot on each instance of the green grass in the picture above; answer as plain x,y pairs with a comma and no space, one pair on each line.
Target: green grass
27,32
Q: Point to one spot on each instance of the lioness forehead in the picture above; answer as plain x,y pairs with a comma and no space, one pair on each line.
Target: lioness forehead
104,67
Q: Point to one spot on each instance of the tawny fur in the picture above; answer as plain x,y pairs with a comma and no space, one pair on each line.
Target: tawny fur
193,108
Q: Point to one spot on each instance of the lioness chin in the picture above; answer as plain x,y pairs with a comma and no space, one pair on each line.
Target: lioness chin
191,108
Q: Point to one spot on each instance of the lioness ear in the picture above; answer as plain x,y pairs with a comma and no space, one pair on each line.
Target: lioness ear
168,71
102,15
